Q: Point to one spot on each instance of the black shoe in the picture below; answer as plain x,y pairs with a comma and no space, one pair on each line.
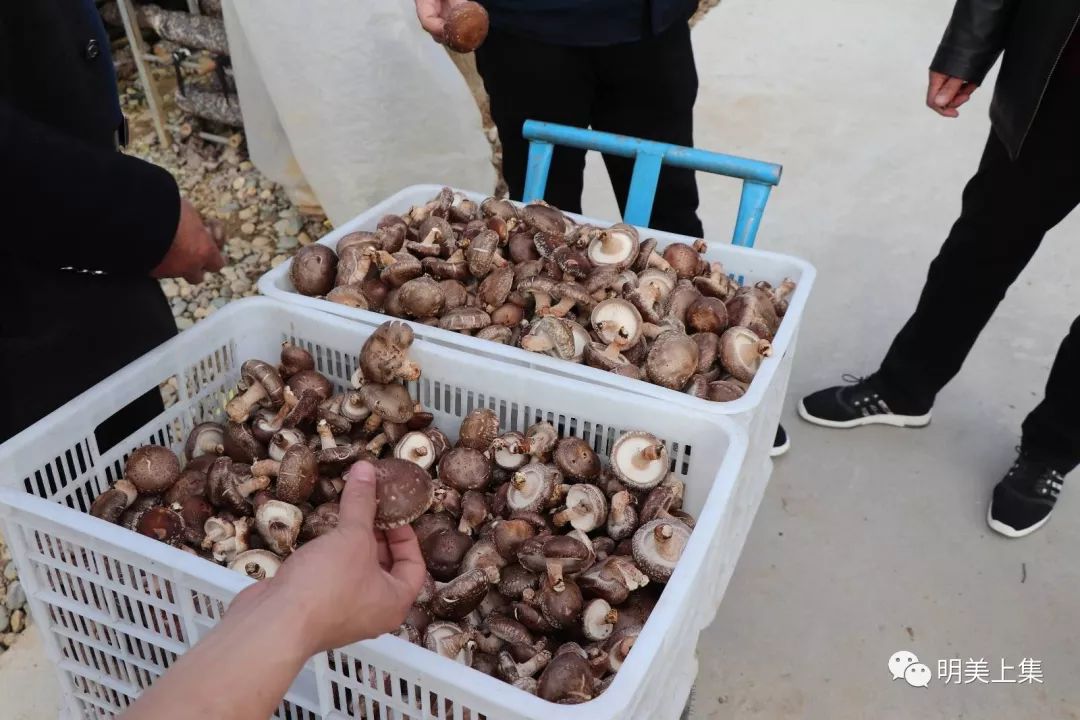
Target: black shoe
848,406
1023,500
781,444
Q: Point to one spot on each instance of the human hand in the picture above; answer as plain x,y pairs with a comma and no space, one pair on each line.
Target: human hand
353,583
432,14
194,249
945,93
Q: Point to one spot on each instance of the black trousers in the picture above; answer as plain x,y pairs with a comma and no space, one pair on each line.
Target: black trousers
1008,206
644,89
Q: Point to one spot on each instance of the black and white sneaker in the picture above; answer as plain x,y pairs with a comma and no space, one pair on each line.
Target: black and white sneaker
848,406
781,444
1023,500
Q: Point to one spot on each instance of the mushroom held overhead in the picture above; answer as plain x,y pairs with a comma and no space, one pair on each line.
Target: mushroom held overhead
545,558
531,277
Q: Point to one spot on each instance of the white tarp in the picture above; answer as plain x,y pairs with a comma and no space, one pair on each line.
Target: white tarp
347,101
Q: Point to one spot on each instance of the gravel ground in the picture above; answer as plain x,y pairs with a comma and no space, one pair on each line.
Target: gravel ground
14,614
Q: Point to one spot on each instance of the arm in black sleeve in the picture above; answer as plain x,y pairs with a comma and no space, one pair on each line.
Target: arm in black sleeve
103,210
974,38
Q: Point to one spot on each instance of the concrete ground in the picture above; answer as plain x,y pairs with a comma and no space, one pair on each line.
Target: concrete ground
874,540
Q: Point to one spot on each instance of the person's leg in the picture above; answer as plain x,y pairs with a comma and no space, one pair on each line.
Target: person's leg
530,80
1052,430
647,89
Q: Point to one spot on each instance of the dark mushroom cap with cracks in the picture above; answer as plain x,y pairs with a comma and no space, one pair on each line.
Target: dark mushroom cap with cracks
496,333
465,468
241,444
716,283
542,437
672,359
360,238
297,474
618,246
194,510
320,521
384,357
552,336
545,218
707,314
404,491
532,486
547,243
741,352
421,297
313,270
572,262
228,485
724,391
110,504
190,483
567,679
399,268
753,308
416,447
205,438
640,460
256,564
478,429
443,551
355,261
586,508
279,525
576,459
458,598
162,524
684,260
617,322
455,294
152,468
483,253
464,318
264,385
657,547
495,288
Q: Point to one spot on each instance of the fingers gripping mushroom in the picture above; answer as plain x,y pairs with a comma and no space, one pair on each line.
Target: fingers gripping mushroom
256,564
384,356
263,383
741,352
152,469
640,460
110,504
658,546
279,525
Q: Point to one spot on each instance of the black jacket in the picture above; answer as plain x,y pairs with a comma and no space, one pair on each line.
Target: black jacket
587,23
1032,34
82,224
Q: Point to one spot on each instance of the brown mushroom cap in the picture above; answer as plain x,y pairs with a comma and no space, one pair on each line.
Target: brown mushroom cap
509,535
205,438
421,297
384,356
264,384
684,260
707,314
542,217
311,381
297,474
443,552
724,391
241,444
482,253
430,523
465,468
640,460
753,308
576,459
466,27
313,270
130,517
152,469
162,524
515,580
672,359
567,679
741,352
465,318
320,521
622,518
478,429
449,640
657,547
495,288
391,402
404,490
399,268
110,504
194,510
458,598
256,564
552,336
294,359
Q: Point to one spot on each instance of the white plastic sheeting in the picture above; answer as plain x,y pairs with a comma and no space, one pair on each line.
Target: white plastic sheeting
347,101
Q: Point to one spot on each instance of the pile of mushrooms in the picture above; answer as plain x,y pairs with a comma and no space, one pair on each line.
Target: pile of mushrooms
544,561
532,278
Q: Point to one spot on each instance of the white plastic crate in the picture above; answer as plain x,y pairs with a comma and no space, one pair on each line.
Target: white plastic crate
759,409
116,609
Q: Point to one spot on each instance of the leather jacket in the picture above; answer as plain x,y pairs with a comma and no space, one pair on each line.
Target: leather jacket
1031,33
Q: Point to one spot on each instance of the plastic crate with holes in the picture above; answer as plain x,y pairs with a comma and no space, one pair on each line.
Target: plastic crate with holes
759,409
116,609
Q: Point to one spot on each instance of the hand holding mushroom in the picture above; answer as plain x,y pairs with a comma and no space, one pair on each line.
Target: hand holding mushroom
194,249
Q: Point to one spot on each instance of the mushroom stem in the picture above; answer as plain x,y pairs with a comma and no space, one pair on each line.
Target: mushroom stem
537,343
560,309
326,435
372,423
375,447
239,408
268,468
612,616
254,571
657,261
253,485
563,517
663,533
555,575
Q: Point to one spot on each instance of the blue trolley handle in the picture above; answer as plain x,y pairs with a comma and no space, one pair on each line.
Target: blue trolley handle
758,177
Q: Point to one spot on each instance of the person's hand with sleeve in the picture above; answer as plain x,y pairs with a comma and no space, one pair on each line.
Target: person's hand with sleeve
194,249
353,583
432,15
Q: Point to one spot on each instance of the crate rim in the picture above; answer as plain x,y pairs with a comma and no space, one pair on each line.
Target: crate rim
168,561
749,402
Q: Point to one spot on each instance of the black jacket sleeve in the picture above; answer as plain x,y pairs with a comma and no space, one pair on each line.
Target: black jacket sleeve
974,38
76,205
